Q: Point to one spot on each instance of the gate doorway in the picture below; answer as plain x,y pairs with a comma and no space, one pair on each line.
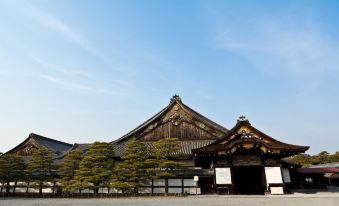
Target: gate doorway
248,180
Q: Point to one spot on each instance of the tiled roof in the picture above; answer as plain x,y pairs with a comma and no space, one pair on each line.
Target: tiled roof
226,142
54,145
57,147
185,146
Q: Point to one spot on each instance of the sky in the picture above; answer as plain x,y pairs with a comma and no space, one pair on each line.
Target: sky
84,71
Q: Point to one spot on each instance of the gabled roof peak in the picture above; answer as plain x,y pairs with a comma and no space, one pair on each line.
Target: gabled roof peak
243,119
175,98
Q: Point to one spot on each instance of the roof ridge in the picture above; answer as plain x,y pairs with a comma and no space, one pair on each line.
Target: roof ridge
33,135
174,100
205,118
148,121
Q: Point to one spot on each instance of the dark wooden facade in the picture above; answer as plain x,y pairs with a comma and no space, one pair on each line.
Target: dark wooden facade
245,150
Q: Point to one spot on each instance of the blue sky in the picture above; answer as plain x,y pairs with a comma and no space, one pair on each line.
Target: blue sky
81,71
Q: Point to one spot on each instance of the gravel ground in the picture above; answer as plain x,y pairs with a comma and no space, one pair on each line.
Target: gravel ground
184,201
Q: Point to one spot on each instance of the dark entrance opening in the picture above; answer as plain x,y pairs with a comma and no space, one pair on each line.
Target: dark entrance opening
206,185
248,180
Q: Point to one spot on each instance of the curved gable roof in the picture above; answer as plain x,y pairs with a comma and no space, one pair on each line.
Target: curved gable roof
243,132
53,145
174,101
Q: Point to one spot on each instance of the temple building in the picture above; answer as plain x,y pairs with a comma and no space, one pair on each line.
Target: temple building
242,160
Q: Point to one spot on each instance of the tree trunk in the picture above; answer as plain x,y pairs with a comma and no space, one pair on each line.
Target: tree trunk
96,191
7,187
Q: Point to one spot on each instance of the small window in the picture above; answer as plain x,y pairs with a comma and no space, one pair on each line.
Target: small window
309,180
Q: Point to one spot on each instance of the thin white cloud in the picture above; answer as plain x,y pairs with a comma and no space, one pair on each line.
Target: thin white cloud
74,86
55,24
70,72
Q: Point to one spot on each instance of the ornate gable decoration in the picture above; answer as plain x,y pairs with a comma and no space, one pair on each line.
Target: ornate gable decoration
244,135
176,116
176,120
27,148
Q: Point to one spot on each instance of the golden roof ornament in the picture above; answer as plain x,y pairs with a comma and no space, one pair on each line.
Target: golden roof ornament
242,118
175,98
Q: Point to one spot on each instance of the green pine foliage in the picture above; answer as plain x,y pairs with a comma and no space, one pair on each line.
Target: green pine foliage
162,162
40,168
306,160
68,169
96,167
11,169
131,173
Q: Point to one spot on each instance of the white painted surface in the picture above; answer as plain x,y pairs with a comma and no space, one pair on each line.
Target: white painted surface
159,182
273,175
113,190
223,176
286,175
47,190
159,190
189,182
33,190
277,191
103,190
174,182
87,191
174,190
21,183
20,189
146,190
192,191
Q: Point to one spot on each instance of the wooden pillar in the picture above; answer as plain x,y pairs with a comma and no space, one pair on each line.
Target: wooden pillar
182,185
152,186
263,176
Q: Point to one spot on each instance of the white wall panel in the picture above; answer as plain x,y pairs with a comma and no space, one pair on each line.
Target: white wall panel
20,189
47,190
174,190
223,176
273,175
277,191
192,190
174,182
159,182
145,190
159,190
189,182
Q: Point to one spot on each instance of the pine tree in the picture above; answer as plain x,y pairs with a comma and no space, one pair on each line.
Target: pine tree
40,167
11,169
96,167
162,163
131,173
68,169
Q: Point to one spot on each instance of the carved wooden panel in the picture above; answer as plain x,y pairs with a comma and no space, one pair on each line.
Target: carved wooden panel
183,131
221,162
27,150
246,160
272,161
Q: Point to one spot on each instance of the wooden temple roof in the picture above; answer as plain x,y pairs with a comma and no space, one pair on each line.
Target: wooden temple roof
175,120
34,140
243,134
